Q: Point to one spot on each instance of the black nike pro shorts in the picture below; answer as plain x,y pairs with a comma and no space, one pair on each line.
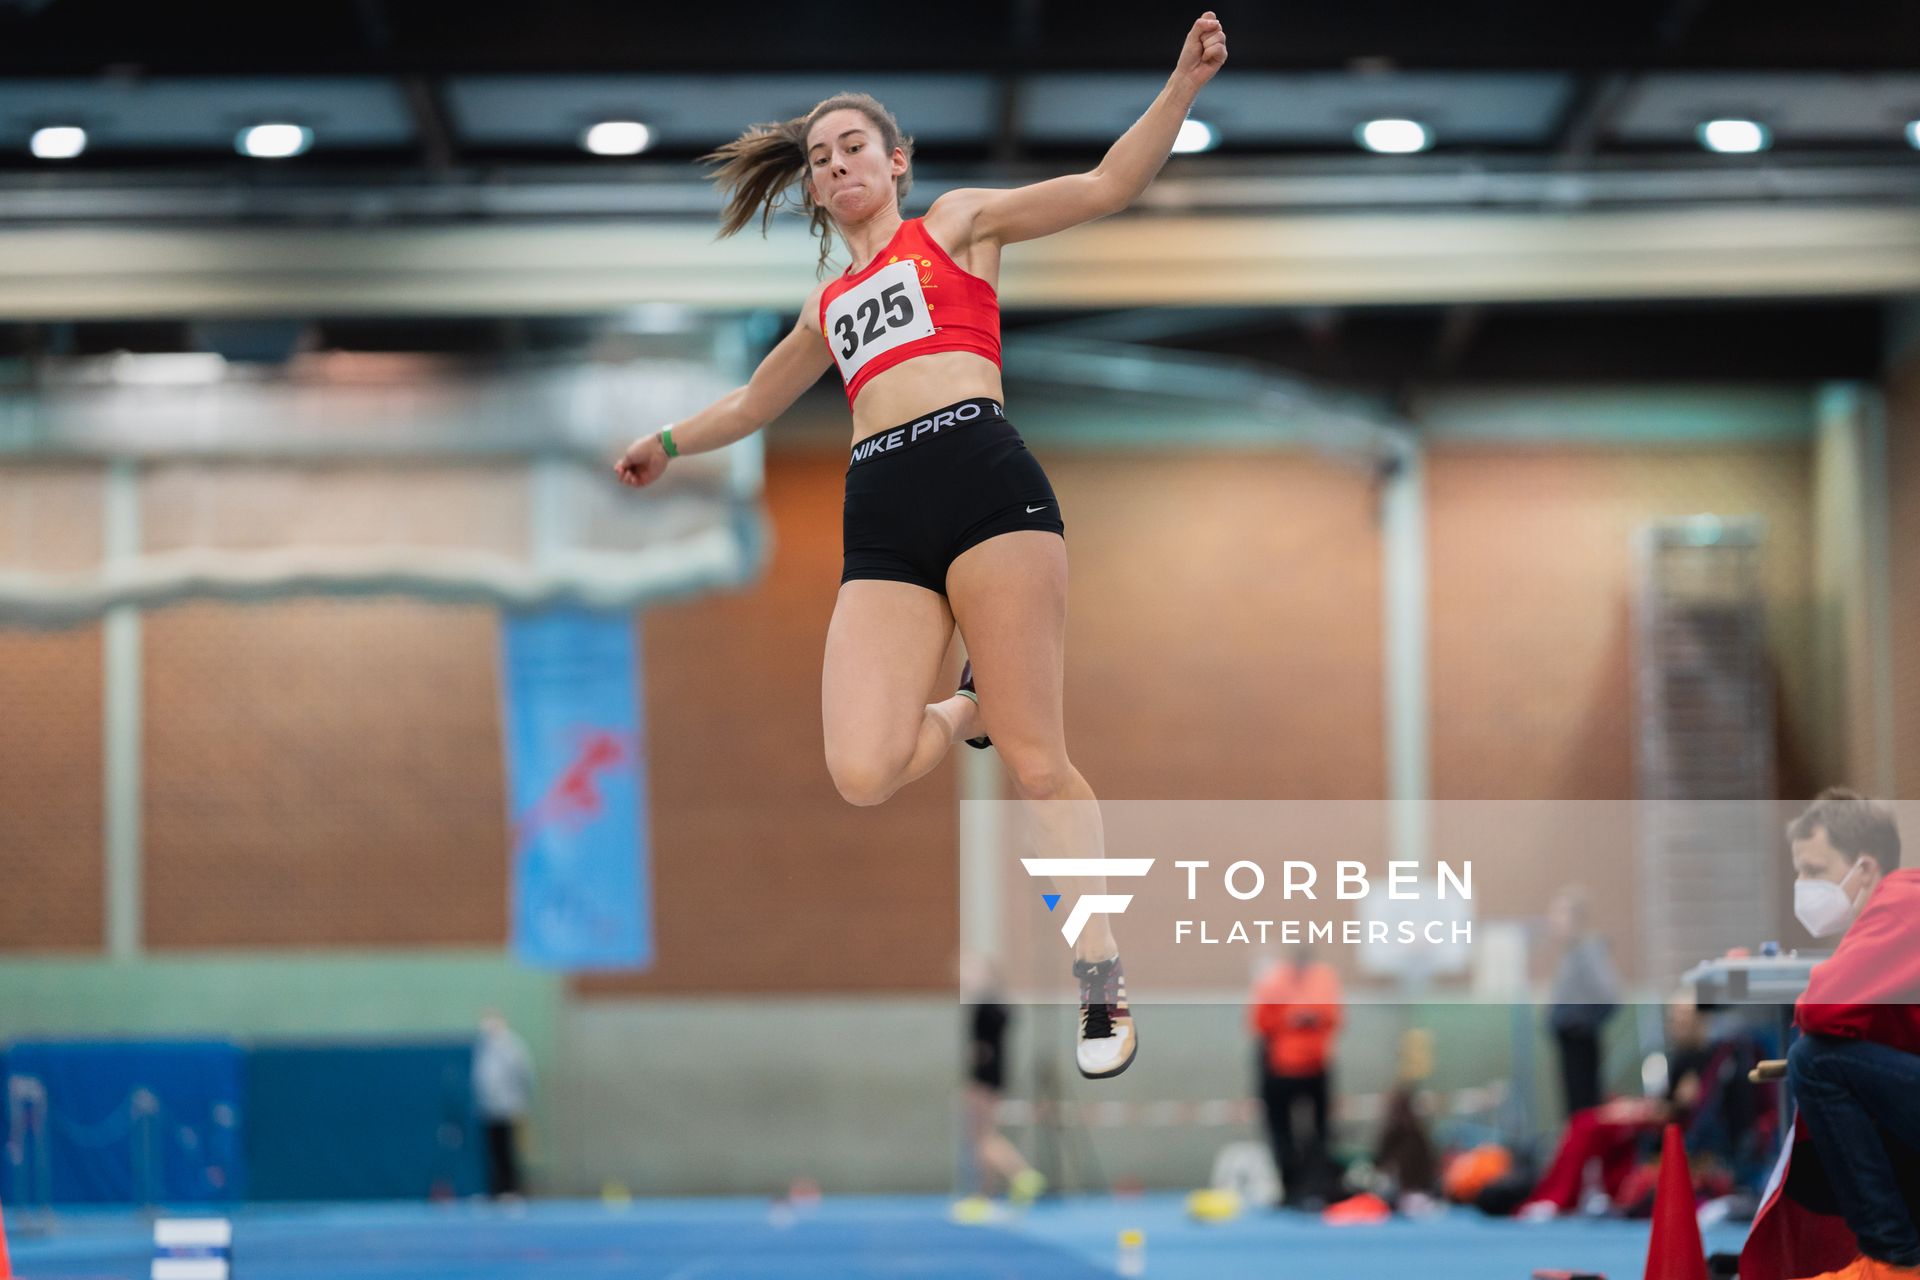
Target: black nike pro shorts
923,492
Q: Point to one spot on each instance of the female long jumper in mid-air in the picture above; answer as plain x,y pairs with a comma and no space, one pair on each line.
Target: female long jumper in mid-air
949,521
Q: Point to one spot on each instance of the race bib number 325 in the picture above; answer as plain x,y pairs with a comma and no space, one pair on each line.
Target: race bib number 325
884,311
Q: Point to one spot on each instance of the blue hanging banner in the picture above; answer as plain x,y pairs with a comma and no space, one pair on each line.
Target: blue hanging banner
576,781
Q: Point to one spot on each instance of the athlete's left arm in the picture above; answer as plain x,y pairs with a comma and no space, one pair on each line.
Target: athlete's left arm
1027,213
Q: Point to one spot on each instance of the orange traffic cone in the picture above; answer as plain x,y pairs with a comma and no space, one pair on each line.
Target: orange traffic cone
1676,1251
6,1267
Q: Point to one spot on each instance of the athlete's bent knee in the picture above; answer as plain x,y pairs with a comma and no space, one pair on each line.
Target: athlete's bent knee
1036,774
865,781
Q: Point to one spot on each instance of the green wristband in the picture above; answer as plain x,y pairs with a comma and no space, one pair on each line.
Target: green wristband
666,442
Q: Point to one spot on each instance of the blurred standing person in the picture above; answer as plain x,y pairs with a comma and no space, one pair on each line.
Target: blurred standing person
1407,1162
503,1095
1296,1014
1584,995
989,1151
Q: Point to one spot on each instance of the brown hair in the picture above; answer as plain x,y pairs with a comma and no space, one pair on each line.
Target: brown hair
1854,825
759,169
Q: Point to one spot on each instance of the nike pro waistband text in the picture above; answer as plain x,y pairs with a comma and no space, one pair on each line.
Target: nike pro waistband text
926,427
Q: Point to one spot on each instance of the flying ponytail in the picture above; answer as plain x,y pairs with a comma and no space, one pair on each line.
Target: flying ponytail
759,169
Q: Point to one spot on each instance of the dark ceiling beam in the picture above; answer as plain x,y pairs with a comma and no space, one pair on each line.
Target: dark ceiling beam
424,104
374,27
431,122
1598,99
1023,39
1675,23
445,37
1775,341
1005,149
1459,326
1590,112
1321,327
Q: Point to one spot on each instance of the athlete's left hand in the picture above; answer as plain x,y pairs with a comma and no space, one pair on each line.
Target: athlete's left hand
1204,53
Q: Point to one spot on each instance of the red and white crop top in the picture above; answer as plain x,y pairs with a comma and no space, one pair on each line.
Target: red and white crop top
911,300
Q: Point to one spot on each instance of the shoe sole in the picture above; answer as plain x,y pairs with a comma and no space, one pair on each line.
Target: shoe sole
1108,1075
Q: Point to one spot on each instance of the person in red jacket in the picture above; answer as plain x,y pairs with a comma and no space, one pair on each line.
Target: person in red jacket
1855,1070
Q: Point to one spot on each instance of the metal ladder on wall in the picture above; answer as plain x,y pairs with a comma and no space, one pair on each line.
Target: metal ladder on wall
1709,849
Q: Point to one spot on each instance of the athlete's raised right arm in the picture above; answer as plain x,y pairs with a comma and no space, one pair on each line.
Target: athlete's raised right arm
789,369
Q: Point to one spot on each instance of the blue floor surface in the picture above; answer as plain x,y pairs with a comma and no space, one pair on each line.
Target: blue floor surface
1462,1244
845,1238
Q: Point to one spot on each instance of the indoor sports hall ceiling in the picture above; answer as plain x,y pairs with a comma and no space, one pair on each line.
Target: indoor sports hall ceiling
400,91
425,113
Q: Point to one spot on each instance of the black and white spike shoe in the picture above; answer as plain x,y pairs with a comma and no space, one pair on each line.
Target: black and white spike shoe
966,690
1107,1043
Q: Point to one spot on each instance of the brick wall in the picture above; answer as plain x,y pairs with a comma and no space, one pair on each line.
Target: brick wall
50,799
50,724
328,773
1532,572
323,773
1224,629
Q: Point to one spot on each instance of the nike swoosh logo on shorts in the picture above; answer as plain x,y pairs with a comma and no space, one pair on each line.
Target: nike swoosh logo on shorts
1041,507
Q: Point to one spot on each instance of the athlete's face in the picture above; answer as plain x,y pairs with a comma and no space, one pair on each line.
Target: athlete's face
851,173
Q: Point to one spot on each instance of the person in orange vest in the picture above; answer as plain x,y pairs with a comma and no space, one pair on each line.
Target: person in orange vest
1296,1014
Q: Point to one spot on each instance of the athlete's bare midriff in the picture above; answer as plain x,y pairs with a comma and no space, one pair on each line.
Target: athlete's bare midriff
912,387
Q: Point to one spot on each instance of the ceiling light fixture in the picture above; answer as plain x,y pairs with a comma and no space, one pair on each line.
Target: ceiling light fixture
274,141
1394,137
1734,137
617,138
58,142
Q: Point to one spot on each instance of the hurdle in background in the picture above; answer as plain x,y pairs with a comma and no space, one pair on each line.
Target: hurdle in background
192,1249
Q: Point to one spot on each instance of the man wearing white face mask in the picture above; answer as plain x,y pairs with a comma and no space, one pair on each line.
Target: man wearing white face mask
1855,1069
